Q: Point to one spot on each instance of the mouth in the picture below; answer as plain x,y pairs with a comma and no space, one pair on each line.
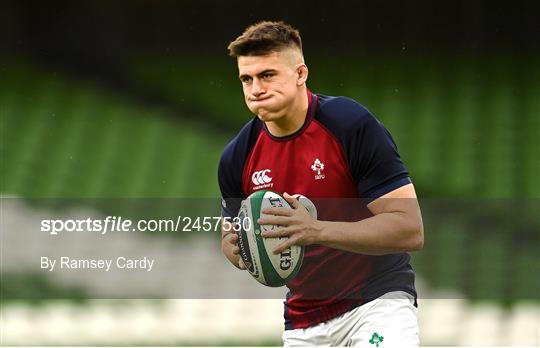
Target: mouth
259,99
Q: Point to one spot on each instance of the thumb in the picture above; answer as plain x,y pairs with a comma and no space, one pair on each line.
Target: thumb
292,200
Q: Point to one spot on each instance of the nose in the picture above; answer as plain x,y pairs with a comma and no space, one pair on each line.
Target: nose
257,88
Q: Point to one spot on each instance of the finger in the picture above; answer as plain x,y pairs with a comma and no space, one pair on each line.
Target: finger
273,220
236,250
278,211
292,200
241,264
281,232
285,245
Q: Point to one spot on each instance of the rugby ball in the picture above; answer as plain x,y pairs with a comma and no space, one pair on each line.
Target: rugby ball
266,267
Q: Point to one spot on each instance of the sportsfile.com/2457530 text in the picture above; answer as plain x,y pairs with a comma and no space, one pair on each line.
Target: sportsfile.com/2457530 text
120,224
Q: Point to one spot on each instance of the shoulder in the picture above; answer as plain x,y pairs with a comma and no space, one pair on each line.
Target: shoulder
341,104
343,115
234,156
238,148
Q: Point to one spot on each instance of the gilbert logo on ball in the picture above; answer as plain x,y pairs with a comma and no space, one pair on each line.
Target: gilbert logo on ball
266,267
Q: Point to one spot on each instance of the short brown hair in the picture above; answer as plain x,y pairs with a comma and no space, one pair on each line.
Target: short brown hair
265,37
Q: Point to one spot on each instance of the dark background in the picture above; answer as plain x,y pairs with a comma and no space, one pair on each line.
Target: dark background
91,34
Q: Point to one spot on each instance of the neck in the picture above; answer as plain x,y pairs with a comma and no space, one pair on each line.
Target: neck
293,119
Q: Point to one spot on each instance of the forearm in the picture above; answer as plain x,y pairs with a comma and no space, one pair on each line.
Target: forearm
381,234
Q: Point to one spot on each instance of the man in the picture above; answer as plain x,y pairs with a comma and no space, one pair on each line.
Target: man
356,286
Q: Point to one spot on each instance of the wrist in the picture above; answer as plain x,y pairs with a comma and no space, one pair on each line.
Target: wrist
322,228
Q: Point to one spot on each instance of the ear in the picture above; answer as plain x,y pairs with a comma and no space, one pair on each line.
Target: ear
302,71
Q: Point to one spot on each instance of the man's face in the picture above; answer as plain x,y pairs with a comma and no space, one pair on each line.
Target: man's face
270,82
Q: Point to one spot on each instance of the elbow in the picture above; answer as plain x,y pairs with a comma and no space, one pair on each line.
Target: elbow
416,242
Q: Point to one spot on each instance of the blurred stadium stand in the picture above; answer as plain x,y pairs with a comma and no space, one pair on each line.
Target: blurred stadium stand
478,138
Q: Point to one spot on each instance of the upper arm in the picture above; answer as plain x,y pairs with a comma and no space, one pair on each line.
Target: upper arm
402,202
230,184
375,161
231,165
401,199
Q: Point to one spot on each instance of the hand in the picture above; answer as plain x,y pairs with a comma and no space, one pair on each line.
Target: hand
232,239
296,223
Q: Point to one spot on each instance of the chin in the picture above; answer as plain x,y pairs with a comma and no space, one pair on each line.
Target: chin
266,116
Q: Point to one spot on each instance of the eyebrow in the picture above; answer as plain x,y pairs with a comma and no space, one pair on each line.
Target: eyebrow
259,74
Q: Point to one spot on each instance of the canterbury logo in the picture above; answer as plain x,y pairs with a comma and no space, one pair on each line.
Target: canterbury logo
260,177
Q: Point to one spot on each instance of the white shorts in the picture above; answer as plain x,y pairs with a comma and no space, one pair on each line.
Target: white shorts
386,322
